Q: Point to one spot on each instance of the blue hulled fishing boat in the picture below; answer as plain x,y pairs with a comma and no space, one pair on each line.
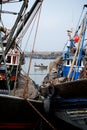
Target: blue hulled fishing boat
65,86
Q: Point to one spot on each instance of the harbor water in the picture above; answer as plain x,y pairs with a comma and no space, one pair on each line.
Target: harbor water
36,74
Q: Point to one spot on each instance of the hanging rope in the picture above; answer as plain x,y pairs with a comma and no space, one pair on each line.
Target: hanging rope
30,33
27,76
78,27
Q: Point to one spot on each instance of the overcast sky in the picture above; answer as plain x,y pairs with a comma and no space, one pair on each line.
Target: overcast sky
56,17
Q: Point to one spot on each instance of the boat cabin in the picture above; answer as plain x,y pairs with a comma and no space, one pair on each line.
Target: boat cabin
13,58
76,68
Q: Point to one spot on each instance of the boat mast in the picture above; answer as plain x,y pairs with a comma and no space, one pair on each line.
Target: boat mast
3,54
24,6
29,16
82,33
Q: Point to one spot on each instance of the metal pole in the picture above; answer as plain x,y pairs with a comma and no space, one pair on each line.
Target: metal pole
3,55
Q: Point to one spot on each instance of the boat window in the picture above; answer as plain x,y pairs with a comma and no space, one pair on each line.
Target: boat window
17,60
14,59
80,63
0,56
68,62
8,59
65,63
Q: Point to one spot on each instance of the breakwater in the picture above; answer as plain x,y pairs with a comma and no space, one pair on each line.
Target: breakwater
43,54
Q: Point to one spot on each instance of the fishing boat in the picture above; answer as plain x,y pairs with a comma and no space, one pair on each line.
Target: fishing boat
20,106
40,66
66,82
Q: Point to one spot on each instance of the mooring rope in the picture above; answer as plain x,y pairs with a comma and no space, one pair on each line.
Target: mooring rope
36,110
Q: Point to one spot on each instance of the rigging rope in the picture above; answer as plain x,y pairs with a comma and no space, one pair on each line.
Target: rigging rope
26,28
78,27
27,76
30,33
78,47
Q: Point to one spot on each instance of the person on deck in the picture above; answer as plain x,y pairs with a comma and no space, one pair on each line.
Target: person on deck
70,45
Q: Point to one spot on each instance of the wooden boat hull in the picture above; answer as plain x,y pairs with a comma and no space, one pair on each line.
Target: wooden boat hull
17,113
73,111
69,103
72,89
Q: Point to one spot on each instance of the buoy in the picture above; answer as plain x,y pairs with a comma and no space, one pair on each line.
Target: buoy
76,39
